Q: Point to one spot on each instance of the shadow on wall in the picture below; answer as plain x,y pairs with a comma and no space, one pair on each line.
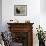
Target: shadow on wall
0,15
43,6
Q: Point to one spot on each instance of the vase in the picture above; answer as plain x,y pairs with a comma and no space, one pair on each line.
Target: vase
41,43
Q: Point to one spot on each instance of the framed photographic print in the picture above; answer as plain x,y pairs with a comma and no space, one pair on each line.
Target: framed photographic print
20,10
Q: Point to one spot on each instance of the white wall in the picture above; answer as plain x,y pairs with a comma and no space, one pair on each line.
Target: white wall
43,14
0,15
34,14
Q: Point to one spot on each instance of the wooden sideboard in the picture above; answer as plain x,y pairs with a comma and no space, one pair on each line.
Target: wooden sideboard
22,33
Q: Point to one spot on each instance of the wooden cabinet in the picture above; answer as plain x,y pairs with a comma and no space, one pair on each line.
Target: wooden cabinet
22,33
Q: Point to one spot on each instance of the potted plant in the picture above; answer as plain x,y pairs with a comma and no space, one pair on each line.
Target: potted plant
41,36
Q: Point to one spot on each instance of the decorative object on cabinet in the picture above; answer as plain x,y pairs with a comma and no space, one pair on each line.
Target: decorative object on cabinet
22,33
13,21
27,21
20,10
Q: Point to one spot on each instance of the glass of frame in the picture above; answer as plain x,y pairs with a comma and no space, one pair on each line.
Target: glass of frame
20,10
